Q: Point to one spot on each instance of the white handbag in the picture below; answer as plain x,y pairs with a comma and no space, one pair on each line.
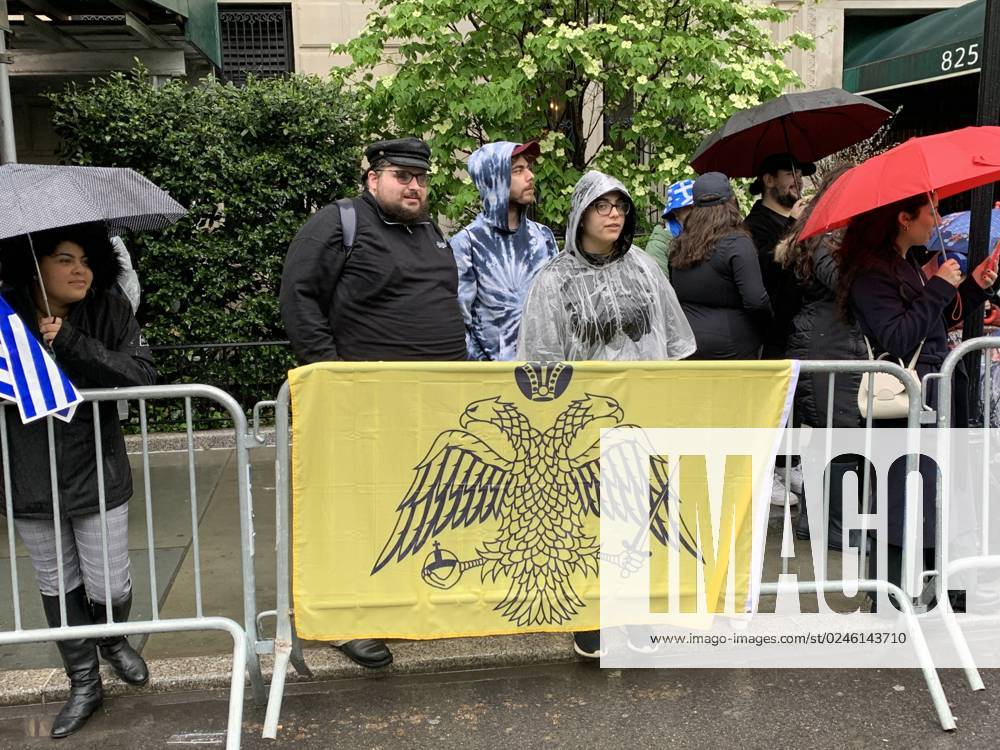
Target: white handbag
889,399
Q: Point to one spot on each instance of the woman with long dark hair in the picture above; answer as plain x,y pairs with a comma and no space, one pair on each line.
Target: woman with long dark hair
716,274
95,340
904,312
818,331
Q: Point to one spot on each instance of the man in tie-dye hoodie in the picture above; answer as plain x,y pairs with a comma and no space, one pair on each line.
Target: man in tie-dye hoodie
500,252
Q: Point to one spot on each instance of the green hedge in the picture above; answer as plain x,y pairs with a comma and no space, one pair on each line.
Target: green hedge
251,164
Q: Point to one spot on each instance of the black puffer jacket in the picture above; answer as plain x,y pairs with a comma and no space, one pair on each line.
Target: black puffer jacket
819,332
98,346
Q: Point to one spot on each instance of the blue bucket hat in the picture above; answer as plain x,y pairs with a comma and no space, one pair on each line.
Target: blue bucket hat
679,195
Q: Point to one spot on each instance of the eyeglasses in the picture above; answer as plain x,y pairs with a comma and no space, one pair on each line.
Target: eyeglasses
604,207
405,178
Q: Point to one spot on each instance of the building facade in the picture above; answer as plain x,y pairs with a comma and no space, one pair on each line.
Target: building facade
316,24
275,37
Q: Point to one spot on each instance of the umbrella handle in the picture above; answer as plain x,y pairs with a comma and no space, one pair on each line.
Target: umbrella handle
937,223
38,276
41,285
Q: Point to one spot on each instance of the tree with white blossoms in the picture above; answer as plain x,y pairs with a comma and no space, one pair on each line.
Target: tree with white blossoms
654,75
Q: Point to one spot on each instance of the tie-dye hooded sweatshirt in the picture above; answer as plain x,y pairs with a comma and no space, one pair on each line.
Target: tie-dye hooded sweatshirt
496,265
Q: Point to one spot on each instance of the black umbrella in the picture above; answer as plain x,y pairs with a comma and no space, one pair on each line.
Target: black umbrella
809,125
36,197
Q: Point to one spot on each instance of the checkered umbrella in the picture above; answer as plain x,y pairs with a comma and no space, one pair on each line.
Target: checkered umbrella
35,197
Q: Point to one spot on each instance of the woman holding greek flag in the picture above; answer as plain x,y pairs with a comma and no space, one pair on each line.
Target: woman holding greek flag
69,301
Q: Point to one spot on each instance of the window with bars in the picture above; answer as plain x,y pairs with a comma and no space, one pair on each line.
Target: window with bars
255,39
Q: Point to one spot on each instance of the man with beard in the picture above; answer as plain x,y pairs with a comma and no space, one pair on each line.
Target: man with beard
388,293
779,183
501,251
392,295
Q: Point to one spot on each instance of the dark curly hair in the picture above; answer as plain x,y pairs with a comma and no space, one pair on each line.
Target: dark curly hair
798,255
18,270
869,241
703,229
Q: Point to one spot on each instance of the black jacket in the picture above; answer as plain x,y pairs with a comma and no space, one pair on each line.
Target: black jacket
768,228
725,301
896,309
394,298
819,332
99,346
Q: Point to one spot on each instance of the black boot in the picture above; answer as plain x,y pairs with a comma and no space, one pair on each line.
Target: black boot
80,659
116,650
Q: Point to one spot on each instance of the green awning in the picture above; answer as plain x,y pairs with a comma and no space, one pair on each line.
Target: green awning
941,45
201,26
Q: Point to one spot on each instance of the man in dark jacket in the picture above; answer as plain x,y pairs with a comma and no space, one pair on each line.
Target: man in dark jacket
779,183
392,295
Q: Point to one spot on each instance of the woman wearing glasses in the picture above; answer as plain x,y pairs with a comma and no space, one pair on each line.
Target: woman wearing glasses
716,273
601,298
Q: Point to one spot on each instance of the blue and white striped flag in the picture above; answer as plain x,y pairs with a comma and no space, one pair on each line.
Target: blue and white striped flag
28,376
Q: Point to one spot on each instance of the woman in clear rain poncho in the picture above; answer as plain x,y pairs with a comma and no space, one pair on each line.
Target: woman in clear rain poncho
601,298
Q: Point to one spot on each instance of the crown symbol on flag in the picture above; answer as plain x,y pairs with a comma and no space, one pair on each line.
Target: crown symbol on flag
543,382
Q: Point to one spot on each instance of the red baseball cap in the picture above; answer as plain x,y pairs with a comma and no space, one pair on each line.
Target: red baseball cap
529,150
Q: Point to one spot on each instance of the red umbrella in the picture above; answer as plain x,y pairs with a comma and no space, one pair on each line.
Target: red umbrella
946,163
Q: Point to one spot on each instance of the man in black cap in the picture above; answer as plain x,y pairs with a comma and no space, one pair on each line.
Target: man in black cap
372,278
779,183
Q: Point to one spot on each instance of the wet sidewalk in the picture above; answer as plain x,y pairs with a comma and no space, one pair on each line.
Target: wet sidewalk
556,706
201,660
173,560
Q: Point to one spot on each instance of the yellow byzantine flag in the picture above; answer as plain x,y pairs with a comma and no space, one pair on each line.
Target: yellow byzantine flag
456,499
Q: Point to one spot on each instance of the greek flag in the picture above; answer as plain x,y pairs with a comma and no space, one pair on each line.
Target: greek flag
28,376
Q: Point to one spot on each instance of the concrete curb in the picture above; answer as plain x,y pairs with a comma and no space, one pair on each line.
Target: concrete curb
163,442
21,687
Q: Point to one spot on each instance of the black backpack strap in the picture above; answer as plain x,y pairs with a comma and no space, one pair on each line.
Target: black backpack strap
348,224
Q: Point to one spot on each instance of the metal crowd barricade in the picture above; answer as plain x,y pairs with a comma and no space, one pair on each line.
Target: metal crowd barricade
245,654
832,368
287,649
945,568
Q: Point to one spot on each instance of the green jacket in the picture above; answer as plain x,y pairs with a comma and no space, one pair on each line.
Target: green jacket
658,247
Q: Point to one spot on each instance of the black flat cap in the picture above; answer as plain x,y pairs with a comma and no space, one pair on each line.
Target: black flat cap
403,152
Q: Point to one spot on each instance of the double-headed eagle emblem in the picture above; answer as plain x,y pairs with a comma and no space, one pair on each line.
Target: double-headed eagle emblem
540,487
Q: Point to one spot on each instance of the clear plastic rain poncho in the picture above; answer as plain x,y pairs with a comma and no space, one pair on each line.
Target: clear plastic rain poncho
623,308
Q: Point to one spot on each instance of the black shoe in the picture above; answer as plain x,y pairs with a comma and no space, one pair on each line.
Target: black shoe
116,651
368,652
79,656
587,643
